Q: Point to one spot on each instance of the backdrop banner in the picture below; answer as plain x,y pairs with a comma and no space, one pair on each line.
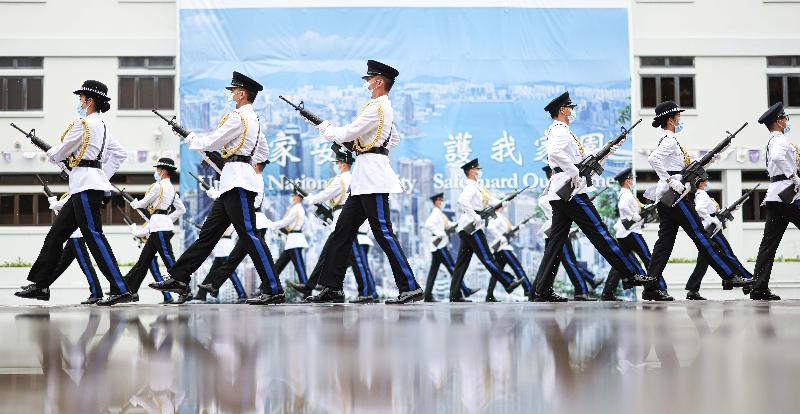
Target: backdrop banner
473,83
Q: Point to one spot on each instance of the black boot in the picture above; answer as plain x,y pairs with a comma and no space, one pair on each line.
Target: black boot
326,295
169,285
33,291
694,295
549,296
183,297
657,295
459,299
406,297
491,299
209,288
265,299
301,288
640,280
609,297
510,288
115,299
470,292
430,299
363,299
91,300
763,294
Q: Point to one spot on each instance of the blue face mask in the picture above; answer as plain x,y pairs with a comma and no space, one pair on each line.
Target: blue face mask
788,127
81,110
156,176
679,127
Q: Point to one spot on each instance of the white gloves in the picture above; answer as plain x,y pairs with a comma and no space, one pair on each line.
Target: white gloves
796,181
323,126
636,217
577,184
715,221
213,194
676,185
189,138
504,203
138,231
53,203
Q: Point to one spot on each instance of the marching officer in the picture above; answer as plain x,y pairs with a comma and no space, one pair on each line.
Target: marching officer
222,270
474,198
89,148
439,226
668,160
564,150
707,208
782,164
241,145
632,243
372,135
165,207
292,225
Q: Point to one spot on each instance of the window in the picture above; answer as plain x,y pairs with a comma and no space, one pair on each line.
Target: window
752,210
21,62
667,79
783,61
146,83
667,62
783,80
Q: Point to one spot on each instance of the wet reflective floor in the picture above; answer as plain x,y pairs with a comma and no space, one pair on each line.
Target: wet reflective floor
731,357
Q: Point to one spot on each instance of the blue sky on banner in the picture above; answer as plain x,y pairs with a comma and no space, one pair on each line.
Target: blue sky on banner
472,82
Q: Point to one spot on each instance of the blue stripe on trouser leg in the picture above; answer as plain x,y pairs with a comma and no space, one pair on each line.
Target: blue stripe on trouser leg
488,260
370,278
571,265
157,276
298,264
357,259
451,267
726,248
168,260
387,236
237,284
701,236
518,269
262,255
84,267
640,241
601,229
98,240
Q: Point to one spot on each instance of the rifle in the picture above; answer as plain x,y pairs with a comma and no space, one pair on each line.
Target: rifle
696,171
184,133
593,163
647,214
592,198
322,211
303,111
513,232
197,226
726,214
47,190
39,143
491,211
129,221
129,199
447,231
202,183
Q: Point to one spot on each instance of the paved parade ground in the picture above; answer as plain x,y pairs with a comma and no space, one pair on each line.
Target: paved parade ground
426,358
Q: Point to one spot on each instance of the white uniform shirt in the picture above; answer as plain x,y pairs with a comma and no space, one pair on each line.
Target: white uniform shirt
76,234
781,159
473,197
226,243
705,206
86,178
372,173
363,234
629,209
161,196
668,156
498,227
437,224
335,194
229,134
293,220
563,151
